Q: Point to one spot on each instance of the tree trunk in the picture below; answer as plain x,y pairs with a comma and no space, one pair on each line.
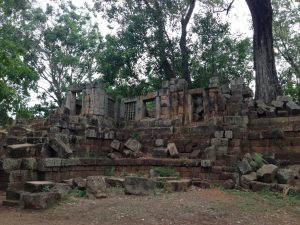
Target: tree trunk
183,48
267,85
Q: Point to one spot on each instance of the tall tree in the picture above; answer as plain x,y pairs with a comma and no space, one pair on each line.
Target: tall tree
67,43
267,85
16,77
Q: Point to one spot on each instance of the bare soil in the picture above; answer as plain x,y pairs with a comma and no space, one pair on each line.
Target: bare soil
197,206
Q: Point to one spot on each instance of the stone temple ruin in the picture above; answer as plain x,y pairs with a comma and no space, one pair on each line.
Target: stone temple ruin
209,135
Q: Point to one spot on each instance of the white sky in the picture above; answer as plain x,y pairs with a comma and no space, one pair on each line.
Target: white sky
239,18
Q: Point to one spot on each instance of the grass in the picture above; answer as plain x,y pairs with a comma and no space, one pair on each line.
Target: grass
165,172
267,200
76,192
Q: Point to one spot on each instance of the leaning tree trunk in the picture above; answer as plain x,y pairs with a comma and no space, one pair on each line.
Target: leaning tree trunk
267,85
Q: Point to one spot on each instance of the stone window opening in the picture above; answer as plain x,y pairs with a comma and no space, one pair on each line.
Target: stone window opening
129,113
198,109
111,107
78,102
149,108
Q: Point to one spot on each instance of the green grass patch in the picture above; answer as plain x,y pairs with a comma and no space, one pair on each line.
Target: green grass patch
79,193
165,172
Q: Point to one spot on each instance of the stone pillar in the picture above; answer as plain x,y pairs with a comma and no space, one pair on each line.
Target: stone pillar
158,107
71,102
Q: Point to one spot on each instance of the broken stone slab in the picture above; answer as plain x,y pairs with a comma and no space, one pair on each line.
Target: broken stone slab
41,200
246,179
138,186
133,145
284,98
285,176
160,143
172,150
177,185
293,108
115,144
267,173
38,186
21,150
60,148
114,182
79,182
244,167
9,164
94,184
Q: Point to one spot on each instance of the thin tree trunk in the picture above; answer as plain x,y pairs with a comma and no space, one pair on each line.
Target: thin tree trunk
183,45
267,85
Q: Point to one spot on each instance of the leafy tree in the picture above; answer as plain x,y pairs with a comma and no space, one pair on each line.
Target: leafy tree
65,54
216,52
287,45
16,77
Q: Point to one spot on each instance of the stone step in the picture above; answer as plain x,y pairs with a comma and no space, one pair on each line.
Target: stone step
13,194
21,150
11,203
37,186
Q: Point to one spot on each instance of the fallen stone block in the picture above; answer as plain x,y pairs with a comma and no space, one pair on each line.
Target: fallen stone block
60,148
284,98
285,176
79,182
114,181
267,173
228,184
38,186
115,144
246,180
219,134
177,185
62,189
138,186
160,143
133,145
244,167
277,104
260,186
293,108
40,200
160,152
172,150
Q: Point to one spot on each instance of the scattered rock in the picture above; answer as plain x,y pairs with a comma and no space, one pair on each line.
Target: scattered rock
246,179
61,188
228,184
138,186
293,108
38,186
177,185
114,181
160,143
267,173
79,182
172,150
41,200
115,145
244,167
133,145
94,184
285,176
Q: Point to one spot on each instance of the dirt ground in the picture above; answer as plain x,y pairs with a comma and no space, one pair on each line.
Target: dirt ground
197,206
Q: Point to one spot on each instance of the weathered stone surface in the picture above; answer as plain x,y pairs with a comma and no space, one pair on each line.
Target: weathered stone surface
160,143
181,84
133,145
267,173
201,183
40,200
114,181
177,185
160,152
195,154
244,167
221,150
219,142
228,134
206,163
277,104
172,150
62,189
296,170
219,134
293,108
260,186
284,98
95,184
228,184
61,148
246,179
115,144
9,164
38,186
138,186
210,153
29,164
285,176
114,155
21,150
79,182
